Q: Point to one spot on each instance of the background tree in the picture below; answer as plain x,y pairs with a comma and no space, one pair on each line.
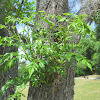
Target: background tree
87,50
96,56
6,73
90,49
9,70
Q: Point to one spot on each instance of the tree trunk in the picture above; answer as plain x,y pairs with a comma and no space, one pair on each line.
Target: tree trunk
11,72
63,87
91,8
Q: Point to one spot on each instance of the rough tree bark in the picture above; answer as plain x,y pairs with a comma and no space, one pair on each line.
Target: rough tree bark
63,87
11,72
89,7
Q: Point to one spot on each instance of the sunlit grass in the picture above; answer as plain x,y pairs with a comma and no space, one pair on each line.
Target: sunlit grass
25,92
87,89
95,76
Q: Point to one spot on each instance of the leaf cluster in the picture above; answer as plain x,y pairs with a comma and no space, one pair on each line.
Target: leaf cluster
46,59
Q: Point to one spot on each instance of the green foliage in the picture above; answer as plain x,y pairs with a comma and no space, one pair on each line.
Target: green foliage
45,58
87,48
97,30
91,50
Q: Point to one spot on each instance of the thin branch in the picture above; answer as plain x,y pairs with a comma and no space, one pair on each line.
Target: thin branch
31,25
21,4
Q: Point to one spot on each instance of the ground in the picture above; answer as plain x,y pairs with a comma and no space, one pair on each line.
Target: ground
87,89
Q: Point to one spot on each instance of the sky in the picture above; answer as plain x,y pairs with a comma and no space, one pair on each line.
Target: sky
19,26
74,10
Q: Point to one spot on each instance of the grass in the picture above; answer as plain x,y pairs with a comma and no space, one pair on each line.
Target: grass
25,92
91,76
85,89
94,76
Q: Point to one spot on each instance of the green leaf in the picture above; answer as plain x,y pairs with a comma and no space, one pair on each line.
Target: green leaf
3,89
5,58
41,11
78,57
68,56
29,64
10,63
2,26
89,65
36,66
48,21
84,61
68,14
31,71
0,92
59,17
41,64
62,19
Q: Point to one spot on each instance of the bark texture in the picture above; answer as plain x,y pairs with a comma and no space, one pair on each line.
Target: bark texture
63,87
11,72
89,7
